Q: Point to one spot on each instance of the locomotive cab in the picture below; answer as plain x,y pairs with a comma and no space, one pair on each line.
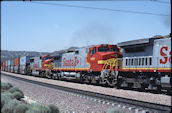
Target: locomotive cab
47,62
99,55
103,59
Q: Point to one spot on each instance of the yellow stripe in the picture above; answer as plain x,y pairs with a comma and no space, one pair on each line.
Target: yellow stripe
104,61
72,68
100,61
149,68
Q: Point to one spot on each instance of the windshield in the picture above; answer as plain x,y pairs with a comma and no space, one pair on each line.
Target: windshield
103,49
115,49
48,58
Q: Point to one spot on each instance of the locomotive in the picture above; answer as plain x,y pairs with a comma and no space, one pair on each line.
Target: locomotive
146,63
143,64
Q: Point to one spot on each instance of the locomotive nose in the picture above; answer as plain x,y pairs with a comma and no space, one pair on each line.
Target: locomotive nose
109,55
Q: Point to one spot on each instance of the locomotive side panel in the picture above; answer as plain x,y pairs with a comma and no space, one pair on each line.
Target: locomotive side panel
35,65
162,51
75,60
24,62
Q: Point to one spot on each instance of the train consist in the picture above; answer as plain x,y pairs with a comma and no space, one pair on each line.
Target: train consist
143,64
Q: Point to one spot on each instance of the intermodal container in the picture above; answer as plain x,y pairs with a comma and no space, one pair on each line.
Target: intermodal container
12,65
25,60
3,66
8,66
16,61
16,65
24,64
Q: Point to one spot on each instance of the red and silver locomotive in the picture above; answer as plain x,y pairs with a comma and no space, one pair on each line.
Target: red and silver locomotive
146,63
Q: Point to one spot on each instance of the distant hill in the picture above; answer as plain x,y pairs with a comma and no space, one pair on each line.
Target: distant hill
6,55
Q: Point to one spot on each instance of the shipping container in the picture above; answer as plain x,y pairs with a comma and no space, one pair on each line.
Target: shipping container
16,61
12,65
24,64
16,65
3,66
8,66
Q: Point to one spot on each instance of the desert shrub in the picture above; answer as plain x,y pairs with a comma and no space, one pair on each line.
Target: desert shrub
10,106
13,89
18,95
36,108
115,110
5,86
21,108
5,98
53,109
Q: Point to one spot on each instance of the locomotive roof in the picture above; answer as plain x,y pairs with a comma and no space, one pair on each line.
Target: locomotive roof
143,41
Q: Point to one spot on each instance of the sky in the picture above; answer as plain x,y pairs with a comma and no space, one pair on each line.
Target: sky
33,26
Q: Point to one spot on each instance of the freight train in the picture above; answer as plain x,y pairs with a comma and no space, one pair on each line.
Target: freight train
143,64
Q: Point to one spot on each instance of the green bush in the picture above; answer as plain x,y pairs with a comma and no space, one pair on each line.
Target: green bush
13,89
21,108
115,110
53,109
36,108
5,98
5,86
10,106
18,95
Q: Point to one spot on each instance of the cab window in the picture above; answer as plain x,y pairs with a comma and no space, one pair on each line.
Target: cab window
100,49
115,49
48,58
94,49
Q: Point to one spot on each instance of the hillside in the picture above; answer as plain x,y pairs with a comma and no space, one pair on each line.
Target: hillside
6,55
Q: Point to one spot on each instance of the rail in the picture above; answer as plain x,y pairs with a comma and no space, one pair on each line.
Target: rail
153,106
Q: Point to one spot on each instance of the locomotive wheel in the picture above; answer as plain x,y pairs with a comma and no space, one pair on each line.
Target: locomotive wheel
97,82
41,75
143,87
81,80
89,81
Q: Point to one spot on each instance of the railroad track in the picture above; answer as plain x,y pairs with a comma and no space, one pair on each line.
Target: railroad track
139,106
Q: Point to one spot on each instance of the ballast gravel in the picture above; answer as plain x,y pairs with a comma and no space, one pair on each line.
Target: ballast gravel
65,101
143,96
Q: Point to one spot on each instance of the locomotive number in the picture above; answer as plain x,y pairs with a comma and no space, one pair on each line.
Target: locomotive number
163,51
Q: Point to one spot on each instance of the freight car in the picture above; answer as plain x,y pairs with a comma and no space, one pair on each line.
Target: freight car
146,63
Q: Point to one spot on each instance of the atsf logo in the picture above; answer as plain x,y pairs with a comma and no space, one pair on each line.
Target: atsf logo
70,62
164,53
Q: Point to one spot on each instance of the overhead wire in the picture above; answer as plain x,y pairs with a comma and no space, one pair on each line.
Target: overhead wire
105,9
163,2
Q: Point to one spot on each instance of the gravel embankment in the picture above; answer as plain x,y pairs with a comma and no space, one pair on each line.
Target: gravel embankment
148,97
63,100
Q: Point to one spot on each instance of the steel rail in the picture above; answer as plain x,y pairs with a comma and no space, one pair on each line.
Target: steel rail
153,106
